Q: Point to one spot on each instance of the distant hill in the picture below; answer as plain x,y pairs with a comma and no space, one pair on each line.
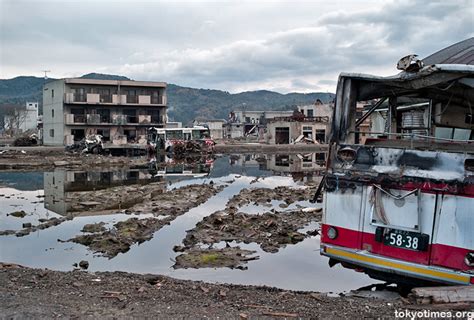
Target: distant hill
102,76
184,104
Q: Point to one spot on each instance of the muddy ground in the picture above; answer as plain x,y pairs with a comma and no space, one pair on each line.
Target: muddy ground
31,159
38,294
271,230
165,207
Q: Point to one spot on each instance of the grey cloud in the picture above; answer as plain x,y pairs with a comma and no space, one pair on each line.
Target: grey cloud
226,46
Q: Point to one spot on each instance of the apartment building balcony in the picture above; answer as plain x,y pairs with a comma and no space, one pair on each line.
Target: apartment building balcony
116,119
86,119
114,99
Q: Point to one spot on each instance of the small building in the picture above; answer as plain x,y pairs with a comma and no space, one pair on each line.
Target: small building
31,117
118,110
22,119
244,123
216,127
310,123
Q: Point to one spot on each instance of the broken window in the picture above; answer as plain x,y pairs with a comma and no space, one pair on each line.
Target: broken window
131,115
78,134
282,160
308,132
105,133
321,135
131,135
282,135
104,115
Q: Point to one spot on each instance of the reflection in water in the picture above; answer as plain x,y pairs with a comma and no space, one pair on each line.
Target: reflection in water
298,267
60,185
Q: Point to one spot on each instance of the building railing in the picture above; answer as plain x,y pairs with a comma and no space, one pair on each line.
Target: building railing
95,98
323,119
115,119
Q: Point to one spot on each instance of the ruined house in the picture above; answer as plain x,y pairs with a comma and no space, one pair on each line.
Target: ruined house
309,124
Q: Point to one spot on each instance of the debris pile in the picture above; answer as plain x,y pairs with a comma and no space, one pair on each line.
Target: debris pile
26,141
28,227
168,205
90,144
263,196
231,257
270,230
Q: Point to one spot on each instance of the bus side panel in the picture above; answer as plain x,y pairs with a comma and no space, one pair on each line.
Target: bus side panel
454,233
343,211
427,212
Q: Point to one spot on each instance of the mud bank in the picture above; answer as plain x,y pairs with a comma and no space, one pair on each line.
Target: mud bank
264,196
270,230
165,207
38,158
38,294
228,148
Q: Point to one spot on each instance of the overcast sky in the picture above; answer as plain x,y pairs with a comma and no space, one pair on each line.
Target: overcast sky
228,45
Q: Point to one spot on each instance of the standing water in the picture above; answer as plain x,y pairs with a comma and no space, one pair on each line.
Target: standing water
43,195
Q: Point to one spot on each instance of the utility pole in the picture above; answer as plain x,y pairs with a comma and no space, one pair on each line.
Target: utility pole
46,74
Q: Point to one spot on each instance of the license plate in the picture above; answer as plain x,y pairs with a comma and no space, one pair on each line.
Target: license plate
406,239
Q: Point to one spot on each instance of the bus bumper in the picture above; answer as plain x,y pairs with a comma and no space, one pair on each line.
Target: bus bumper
368,260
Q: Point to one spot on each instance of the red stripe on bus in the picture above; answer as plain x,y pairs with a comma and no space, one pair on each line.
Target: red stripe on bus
441,255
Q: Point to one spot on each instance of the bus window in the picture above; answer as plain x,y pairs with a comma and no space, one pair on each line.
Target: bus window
174,134
197,134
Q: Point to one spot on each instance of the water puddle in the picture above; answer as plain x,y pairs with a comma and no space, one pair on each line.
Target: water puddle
296,266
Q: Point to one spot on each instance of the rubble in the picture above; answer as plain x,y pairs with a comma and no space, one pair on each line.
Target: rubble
231,257
18,214
84,264
26,141
94,227
262,196
168,205
90,144
125,295
270,230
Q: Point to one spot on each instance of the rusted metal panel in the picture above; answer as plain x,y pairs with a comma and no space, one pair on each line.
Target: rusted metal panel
459,53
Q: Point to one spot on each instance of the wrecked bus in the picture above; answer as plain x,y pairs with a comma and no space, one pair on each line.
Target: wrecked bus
399,195
179,140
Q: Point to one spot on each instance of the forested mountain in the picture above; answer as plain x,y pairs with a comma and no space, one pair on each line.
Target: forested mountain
184,103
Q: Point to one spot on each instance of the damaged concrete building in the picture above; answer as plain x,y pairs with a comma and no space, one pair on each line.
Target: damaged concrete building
281,127
243,123
119,111
310,123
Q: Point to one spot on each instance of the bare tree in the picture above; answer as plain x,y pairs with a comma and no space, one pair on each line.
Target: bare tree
13,120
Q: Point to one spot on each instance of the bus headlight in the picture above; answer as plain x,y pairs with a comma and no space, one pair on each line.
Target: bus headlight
332,233
469,259
347,155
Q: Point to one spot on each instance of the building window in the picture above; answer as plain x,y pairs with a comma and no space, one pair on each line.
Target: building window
321,135
105,133
310,113
308,132
51,133
52,113
52,93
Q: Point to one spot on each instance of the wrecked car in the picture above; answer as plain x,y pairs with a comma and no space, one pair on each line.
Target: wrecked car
90,144
399,194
